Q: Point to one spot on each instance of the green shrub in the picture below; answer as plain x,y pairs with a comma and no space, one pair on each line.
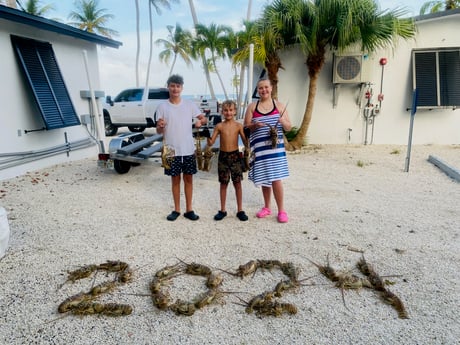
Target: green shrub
290,135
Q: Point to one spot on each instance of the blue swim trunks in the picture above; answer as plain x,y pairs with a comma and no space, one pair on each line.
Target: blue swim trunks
182,164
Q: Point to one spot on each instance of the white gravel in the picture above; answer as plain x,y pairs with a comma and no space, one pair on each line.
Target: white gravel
339,199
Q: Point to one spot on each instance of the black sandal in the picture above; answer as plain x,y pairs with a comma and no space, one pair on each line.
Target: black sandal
220,215
242,216
191,215
173,216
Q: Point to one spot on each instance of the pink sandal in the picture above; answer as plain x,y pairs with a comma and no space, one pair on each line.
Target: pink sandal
264,212
282,217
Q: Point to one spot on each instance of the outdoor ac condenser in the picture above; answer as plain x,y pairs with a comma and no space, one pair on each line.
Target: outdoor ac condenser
347,69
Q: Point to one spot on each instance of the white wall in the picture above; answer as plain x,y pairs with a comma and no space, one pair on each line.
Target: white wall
330,125
19,112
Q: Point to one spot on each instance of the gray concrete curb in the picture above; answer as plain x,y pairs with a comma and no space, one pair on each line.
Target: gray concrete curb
450,171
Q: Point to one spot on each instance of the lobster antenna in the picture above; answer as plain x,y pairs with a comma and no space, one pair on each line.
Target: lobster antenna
285,107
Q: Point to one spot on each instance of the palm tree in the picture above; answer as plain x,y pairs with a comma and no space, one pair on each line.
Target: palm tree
240,56
267,43
157,4
177,44
237,82
273,41
91,18
203,58
33,7
138,39
213,39
244,39
320,25
243,67
439,6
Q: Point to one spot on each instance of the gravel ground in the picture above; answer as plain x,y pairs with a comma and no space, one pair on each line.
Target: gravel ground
340,199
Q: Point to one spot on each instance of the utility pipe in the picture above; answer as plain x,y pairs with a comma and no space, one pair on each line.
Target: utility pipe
32,152
30,156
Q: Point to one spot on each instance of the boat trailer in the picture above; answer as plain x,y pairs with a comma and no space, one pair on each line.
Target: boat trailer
133,149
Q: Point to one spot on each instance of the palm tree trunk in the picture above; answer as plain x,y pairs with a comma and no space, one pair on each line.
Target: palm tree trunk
192,9
242,76
146,93
273,65
220,78
297,142
138,41
248,14
172,65
208,77
315,63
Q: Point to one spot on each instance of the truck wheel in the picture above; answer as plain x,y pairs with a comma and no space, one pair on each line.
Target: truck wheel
121,167
110,129
136,129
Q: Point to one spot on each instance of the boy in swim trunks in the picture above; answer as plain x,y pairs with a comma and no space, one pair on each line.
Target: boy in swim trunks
229,165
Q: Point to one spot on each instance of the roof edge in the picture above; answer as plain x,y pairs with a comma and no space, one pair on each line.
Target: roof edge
436,15
25,18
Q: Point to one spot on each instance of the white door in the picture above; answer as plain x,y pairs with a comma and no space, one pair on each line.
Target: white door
128,108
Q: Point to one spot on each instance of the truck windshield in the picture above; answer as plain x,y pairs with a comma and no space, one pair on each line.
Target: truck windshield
131,95
158,94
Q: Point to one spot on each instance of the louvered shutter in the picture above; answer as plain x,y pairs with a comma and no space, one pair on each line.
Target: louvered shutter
38,62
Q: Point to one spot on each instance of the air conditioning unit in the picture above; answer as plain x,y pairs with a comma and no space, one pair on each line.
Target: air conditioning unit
347,69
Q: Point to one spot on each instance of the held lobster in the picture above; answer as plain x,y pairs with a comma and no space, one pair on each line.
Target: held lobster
273,130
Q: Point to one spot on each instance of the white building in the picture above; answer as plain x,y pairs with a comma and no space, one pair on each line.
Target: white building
338,115
46,91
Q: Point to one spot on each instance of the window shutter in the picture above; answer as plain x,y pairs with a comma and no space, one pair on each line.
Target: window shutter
41,70
449,75
425,79
437,78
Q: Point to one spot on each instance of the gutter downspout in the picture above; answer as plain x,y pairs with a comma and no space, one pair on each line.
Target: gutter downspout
95,107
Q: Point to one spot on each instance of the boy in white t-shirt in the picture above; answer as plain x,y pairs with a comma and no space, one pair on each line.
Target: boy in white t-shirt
174,120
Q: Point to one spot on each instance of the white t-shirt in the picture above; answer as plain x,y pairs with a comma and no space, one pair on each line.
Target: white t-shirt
179,120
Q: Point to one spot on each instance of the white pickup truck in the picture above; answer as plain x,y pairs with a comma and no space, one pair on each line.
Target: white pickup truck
127,109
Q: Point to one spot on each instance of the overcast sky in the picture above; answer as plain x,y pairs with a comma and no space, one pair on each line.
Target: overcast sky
117,66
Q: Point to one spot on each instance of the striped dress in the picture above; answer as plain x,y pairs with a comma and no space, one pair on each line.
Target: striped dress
267,164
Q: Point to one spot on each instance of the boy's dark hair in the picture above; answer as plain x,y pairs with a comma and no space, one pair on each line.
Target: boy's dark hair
175,79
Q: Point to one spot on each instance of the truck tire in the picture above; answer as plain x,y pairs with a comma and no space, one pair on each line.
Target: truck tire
136,129
109,128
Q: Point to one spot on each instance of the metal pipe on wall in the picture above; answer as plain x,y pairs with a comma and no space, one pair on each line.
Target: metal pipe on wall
30,156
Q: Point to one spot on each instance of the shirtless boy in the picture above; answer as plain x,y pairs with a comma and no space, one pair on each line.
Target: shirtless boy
229,165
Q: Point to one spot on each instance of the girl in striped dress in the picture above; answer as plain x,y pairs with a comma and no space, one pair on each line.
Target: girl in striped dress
268,165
